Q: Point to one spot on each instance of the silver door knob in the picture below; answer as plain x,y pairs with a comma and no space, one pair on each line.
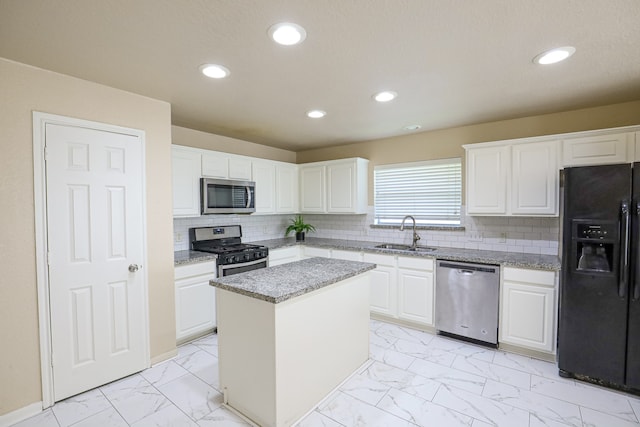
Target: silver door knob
134,267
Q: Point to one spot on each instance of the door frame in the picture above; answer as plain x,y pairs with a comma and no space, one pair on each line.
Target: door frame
40,120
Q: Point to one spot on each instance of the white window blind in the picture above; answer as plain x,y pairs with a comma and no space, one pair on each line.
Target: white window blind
430,191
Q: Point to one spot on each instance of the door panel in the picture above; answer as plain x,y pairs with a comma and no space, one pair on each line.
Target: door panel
95,231
633,339
593,317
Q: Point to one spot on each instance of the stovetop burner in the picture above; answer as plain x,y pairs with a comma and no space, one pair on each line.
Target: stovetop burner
225,242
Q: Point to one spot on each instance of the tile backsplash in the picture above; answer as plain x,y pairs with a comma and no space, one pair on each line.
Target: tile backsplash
509,234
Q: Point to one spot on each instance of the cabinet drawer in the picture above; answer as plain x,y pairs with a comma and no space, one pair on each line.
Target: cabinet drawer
284,253
389,260
416,263
346,255
201,268
538,277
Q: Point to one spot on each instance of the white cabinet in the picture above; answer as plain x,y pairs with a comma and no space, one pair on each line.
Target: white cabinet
347,186
286,188
185,166
599,149
195,300
535,182
226,166
310,252
383,290
338,186
264,175
276,187
513,178
284,255
346,255
416,290
528,308
312,189
487,180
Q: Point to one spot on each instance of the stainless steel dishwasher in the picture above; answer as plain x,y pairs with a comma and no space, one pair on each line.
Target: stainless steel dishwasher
467,300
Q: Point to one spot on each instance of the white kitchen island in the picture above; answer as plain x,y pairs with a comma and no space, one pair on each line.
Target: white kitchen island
288,335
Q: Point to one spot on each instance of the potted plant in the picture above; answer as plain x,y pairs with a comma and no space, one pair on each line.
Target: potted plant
299,227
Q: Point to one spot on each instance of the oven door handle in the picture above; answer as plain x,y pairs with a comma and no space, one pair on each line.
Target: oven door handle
222,268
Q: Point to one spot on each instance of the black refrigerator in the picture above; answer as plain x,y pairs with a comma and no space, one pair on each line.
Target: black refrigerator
599,310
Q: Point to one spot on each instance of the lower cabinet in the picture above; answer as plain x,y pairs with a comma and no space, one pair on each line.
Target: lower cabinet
284,255
416,290
195,300
528,309
383,290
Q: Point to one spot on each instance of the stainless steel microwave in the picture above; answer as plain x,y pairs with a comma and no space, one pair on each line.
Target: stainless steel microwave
225,196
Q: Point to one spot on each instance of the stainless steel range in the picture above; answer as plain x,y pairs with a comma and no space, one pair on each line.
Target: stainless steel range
233,256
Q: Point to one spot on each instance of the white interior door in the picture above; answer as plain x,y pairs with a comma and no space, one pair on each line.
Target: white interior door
95,241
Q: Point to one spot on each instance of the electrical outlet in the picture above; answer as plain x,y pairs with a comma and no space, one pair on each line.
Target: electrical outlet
177,237
475,236
503,238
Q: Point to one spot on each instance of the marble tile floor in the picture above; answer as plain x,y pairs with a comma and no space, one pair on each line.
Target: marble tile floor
413,379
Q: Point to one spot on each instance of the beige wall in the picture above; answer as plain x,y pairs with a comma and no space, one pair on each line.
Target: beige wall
448,143
209,141
24,89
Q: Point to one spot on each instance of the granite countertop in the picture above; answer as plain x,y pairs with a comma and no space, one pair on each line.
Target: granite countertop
283,282
191,257
511,259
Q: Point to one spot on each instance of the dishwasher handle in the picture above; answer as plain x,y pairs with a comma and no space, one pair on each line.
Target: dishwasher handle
468,269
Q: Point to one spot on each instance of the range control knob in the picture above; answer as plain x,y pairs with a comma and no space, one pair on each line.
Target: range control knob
231,259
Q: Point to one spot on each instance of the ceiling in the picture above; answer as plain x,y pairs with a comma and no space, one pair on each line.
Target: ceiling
453,62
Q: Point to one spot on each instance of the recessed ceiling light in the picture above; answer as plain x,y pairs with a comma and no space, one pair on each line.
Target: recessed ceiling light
385,96
316,114
214,71
412,127
287,33
554,55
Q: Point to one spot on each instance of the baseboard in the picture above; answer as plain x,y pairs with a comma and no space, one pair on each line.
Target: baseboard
164,357
20,414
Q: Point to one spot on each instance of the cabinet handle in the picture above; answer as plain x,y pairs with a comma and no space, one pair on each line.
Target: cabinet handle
624,252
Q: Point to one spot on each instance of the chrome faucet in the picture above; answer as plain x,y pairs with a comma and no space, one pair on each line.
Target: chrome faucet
416,237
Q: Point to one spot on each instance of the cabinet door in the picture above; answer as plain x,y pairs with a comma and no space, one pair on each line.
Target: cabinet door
284,255
597,150
346,255
415,290
383,288
185,168
264,175
487,180
312,189
286,188
240,168
215,165
195,306
535,180
341,188
527,316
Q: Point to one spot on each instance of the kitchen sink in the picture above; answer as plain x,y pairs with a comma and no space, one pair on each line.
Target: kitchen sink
397,247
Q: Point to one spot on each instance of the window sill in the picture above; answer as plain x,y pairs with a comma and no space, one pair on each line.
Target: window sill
421,227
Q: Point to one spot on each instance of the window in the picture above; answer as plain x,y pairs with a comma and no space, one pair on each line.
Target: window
430,191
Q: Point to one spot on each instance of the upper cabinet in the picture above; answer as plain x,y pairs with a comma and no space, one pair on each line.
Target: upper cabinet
599,149
276,186
535,178
339,186
226,166
513,179
185,164
487,180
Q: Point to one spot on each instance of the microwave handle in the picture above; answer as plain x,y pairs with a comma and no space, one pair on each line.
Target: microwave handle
249,197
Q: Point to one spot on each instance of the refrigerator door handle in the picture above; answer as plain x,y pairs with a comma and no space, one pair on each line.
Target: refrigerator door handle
624,255
636,278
